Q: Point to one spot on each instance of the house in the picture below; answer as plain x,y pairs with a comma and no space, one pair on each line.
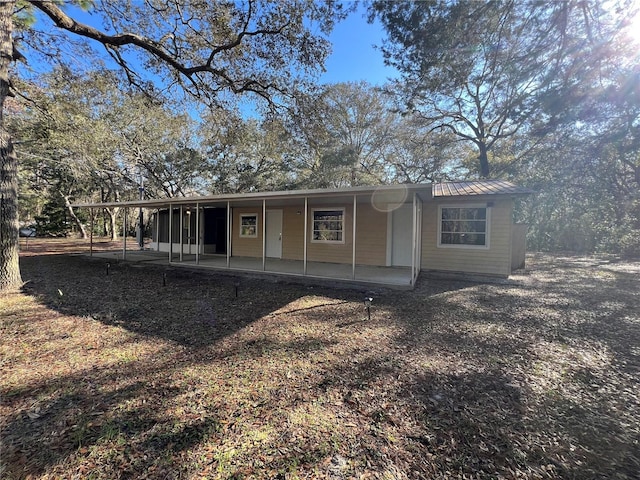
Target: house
384,234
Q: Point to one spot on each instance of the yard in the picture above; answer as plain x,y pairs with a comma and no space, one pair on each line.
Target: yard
150,372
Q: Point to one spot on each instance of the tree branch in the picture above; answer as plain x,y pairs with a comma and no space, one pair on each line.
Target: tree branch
155,49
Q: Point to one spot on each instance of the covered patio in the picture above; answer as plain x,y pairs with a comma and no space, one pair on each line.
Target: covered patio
279,233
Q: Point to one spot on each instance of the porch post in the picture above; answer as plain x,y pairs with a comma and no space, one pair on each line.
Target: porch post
264,234
158,229
181,227
413,240
91,232
170,233
306,227
418,235
229,234
197,233
189,230
353,259
124,235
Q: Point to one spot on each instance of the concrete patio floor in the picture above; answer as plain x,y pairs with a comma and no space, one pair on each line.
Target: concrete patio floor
393,277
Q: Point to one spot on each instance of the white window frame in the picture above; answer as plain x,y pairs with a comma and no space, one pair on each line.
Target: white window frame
247,215
313,221
486,233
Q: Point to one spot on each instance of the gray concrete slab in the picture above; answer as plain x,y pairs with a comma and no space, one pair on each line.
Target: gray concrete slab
395,277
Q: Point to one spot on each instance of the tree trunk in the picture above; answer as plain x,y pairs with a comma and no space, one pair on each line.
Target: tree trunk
9,265
484,160
112,213
76,220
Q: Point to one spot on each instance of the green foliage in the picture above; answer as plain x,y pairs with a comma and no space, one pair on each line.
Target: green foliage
209,50
23,17
245,155
588,195
348,134
629,239
469,68
486,71
546,95
212,51
53,221
85,4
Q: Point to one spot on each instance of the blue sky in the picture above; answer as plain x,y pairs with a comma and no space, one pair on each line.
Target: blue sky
354,57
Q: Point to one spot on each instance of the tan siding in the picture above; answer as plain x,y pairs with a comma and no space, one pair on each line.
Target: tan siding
371,236
518,245
292,232
371,242
246,247
496,260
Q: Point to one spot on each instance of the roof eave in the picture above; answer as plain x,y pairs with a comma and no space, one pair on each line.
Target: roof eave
279,195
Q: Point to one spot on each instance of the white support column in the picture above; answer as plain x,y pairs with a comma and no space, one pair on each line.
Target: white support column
124,235
158,229
189,213
229,234
413,240
419,237
306,229
353,259
264,234
197,233
91,233
180,223
170,233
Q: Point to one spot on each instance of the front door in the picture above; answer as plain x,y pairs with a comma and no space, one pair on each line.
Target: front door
274,234
402,228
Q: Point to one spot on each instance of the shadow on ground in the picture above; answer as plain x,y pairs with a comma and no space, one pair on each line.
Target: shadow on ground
194,309
532,378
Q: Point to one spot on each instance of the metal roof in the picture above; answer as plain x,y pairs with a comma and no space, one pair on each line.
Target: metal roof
390,193
382,193
480,187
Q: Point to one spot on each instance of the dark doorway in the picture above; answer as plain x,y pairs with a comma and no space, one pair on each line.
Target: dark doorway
215,230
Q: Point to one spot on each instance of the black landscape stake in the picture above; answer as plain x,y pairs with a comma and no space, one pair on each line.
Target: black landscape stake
164,279
108,267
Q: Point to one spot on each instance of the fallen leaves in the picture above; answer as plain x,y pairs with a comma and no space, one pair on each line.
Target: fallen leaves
122,377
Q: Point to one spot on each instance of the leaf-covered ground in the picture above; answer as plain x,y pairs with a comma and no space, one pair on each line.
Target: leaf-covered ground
119,376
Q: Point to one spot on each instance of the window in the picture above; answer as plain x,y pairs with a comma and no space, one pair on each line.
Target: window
463,226
249,225
328,226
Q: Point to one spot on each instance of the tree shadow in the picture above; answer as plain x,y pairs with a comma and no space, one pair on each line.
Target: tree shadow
454,378
117,408
468,422
194,309
554,357
582,300
432,423
124,410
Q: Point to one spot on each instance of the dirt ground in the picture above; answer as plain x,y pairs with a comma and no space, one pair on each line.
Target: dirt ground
165,373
